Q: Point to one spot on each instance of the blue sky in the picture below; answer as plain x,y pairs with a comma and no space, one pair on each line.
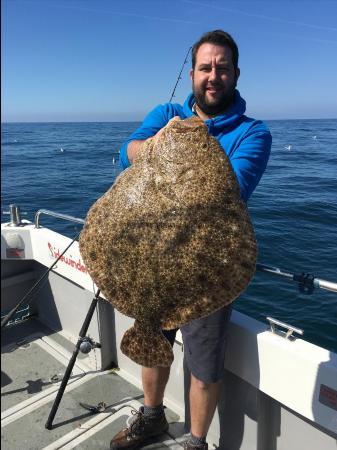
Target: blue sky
100,60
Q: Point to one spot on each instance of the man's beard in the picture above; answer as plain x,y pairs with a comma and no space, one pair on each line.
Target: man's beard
215,108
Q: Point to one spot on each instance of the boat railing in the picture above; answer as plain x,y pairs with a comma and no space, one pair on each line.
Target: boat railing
57,215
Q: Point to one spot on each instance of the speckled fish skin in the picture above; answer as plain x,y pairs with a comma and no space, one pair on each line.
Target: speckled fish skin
171,241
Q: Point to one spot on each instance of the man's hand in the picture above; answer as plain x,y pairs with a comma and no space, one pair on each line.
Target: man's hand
135,146
133,149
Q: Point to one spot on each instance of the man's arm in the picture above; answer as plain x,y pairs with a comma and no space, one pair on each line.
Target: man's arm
250,158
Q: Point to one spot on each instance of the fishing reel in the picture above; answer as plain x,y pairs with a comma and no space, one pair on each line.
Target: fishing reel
306,282
87,344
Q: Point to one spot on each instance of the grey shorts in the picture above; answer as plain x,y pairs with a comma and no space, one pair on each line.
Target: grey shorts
205,344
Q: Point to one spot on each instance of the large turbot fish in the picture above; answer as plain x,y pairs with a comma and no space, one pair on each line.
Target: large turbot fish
171,240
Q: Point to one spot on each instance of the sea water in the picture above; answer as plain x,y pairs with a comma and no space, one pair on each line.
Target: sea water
65,167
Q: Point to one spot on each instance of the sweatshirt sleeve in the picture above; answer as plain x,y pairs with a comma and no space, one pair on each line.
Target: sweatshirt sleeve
249,160
153,122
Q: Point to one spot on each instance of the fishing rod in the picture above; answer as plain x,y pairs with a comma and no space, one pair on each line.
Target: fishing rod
179,76
84,344
8,317
306,282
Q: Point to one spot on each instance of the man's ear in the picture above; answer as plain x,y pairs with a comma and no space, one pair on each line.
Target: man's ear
191,74
237,73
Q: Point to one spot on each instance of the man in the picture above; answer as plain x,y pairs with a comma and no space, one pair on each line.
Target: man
247,143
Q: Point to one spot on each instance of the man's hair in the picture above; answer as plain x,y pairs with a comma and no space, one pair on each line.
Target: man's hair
217,37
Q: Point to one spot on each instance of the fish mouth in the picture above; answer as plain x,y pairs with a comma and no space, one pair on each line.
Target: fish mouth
193,123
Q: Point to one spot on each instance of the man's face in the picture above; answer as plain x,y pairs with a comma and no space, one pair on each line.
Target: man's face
214,78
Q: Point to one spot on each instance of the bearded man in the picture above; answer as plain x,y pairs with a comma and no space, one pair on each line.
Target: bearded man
247,143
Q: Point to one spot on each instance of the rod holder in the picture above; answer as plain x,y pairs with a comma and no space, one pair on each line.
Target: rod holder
15,215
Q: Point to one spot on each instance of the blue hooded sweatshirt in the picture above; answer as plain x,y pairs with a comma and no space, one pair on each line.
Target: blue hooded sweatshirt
246,141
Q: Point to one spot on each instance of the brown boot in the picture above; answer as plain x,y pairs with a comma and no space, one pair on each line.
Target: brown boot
141,429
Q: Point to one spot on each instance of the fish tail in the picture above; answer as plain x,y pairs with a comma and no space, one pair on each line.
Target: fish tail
149,348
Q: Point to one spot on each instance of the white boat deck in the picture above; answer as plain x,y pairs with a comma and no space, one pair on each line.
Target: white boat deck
33,358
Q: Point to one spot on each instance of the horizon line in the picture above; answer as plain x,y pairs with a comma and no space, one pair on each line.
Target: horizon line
134,121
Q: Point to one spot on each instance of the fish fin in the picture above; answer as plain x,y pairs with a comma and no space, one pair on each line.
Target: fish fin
149,348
